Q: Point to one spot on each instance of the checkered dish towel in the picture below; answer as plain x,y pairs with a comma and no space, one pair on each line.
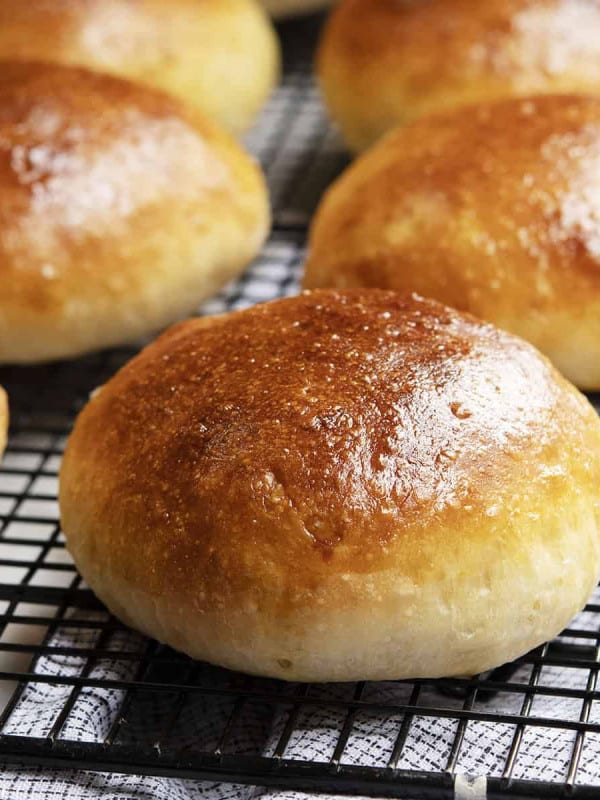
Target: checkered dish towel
544,753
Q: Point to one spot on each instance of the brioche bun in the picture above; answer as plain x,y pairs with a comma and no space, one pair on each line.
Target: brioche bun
338,486
119,211
219,56
386,62
493,209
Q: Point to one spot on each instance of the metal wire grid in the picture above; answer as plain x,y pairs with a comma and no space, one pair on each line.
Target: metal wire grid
185,719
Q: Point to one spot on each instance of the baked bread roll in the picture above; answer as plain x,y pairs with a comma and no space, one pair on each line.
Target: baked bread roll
119,211
386,62
338,486
220,56
3,420
493,210
293,8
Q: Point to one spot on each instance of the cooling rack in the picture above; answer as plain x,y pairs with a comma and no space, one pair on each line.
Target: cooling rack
78,690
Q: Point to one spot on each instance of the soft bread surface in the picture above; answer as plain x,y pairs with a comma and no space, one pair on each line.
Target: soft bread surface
386,62
220,56
292,8
119,211
3,420
494,210
338,486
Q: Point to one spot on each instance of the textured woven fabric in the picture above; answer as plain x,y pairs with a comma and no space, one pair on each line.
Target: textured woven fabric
545,752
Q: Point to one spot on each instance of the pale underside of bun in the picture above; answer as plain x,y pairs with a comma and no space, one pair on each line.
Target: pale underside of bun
338,486
292,8
3,420
492,209
383,63
219,56
120,211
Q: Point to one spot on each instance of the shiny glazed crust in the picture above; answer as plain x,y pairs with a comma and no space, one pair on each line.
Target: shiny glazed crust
338,486
220,56
293,8
3,420
386,62
494,210
119,211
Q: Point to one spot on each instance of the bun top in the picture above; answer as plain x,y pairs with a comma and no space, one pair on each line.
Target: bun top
386,62
96,174
60,124
472,183
220,56
260,445
492,209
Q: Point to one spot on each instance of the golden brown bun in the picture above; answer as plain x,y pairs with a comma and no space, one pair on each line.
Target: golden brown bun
386,62
493,210
3,420
338,486
220,56
293,8
119,211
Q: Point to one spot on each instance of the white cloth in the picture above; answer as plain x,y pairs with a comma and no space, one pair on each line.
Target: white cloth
544,754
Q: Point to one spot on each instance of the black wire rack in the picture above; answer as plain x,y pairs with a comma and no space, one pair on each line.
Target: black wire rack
77,690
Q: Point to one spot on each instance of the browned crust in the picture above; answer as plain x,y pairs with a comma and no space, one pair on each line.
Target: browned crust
219,56
384,62
120,210
272,458
494,210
